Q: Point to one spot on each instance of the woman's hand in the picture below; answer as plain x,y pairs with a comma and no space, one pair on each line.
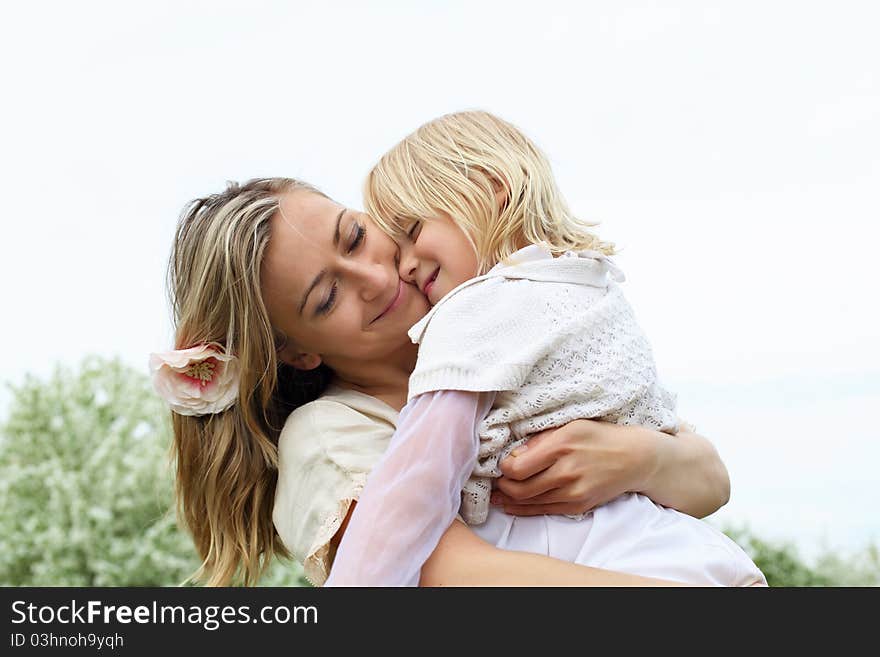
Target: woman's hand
573,469
587,463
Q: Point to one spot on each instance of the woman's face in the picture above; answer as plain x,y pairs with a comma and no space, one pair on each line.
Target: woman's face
330,283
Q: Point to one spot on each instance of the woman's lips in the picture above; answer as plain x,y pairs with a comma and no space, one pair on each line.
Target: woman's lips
395,302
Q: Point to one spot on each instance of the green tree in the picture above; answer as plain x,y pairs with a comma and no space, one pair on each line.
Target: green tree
86,493
782,565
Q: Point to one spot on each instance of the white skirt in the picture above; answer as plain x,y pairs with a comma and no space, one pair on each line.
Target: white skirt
633,535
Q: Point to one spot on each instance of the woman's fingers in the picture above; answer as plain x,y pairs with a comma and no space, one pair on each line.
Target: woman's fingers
570,508
524,490
552,496
534,456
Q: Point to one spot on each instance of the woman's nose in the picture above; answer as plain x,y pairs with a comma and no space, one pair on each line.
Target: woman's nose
408,263
375,279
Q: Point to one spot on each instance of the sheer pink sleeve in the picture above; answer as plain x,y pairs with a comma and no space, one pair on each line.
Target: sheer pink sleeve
414,492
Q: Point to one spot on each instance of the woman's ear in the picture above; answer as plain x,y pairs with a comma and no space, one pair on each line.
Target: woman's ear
292,356
306,361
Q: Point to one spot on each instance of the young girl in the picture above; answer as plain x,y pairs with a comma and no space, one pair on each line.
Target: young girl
529,331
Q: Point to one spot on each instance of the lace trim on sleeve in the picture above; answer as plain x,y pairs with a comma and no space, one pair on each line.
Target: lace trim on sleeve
316,565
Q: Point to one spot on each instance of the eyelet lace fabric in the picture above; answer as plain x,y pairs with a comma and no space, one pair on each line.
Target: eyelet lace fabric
561,343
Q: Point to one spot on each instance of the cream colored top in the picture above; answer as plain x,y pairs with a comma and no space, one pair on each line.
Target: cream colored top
326,450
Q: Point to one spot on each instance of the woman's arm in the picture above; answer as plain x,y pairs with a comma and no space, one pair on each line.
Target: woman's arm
688,474
588,463
462,558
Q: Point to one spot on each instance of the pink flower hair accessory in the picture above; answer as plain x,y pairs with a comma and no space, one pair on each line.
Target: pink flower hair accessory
197,381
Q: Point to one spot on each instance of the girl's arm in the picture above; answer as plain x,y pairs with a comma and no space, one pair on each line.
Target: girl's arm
413,494
588,463
462,558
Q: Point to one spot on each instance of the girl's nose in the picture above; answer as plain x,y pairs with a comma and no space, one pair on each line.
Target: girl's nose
408,263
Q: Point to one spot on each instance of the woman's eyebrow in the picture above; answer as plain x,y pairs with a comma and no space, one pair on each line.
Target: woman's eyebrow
323,272
336,230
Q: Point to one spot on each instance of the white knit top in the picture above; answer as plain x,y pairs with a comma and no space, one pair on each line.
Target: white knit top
555,338
534,344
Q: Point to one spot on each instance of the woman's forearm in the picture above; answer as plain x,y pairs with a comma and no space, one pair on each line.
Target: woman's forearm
463,559
687,474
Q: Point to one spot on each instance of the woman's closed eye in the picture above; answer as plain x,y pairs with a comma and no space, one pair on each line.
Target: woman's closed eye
325,306
358,235
357,238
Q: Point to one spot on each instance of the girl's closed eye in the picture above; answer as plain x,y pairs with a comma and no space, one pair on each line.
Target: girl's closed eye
413,233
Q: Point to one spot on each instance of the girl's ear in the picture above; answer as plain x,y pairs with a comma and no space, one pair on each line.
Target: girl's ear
502,194
292,356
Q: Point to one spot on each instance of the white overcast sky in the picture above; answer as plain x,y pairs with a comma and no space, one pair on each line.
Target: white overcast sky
732,149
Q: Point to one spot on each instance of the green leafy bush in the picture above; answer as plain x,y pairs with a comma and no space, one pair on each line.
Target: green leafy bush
782,565
86,490
86,494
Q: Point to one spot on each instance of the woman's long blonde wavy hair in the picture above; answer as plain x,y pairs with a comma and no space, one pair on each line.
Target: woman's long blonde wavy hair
455,165
226,463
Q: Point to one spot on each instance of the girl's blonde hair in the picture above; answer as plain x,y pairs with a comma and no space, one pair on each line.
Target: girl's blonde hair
455,165
227,462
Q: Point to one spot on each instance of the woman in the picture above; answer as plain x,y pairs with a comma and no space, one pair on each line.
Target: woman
311,305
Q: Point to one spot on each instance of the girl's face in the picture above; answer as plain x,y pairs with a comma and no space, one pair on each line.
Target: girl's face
330,284
437,257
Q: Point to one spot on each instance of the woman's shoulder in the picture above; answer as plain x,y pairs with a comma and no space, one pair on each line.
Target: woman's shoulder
343,427
325,452
340,406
